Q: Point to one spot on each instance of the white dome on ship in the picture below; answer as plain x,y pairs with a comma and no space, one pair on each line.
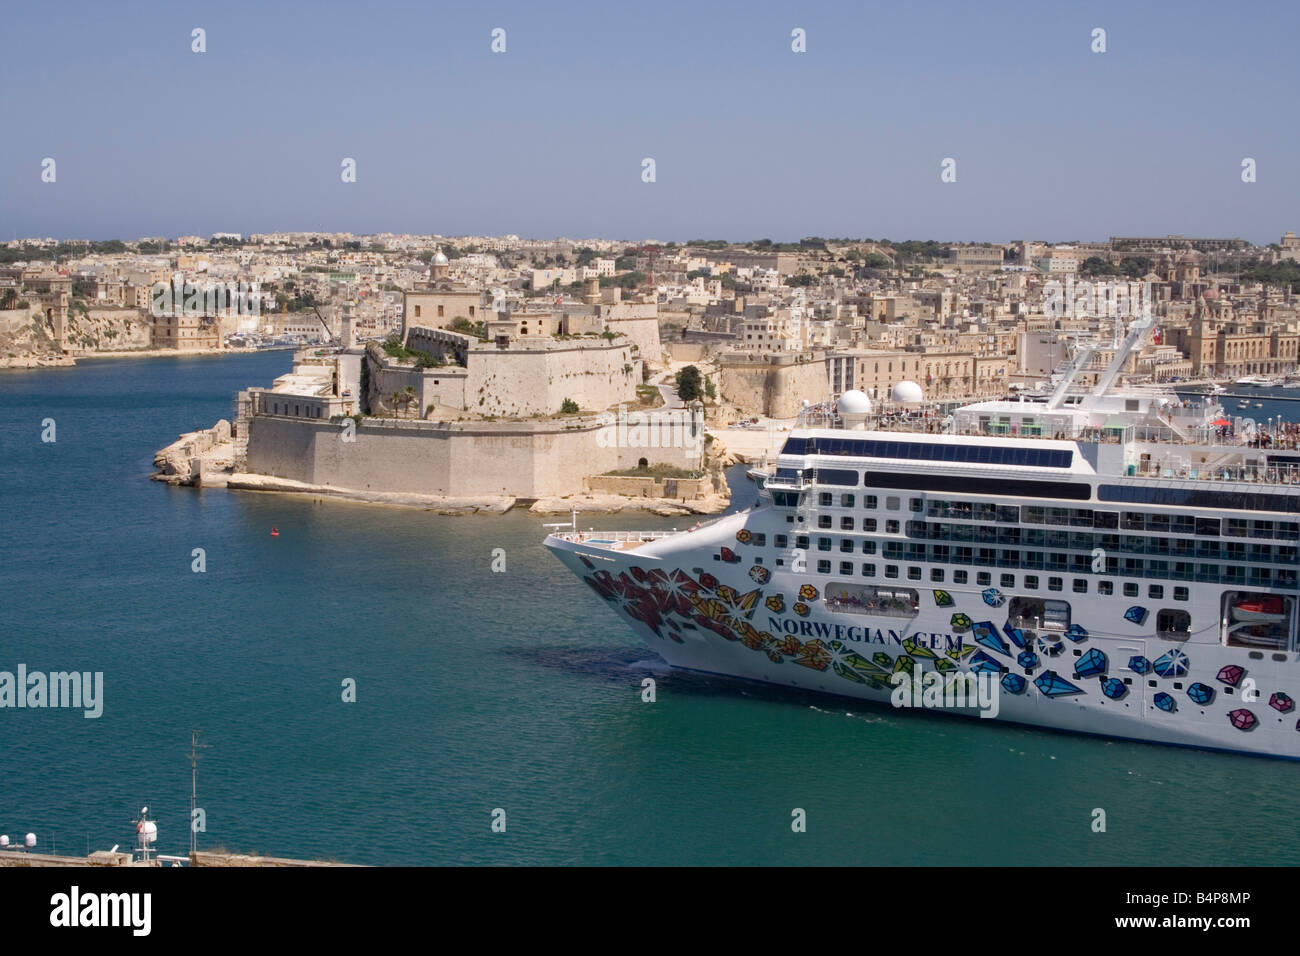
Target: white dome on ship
906,393
854,402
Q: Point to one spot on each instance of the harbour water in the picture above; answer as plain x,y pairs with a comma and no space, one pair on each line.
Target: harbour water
478,690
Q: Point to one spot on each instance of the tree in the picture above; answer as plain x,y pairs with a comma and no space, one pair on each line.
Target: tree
569,407
689,384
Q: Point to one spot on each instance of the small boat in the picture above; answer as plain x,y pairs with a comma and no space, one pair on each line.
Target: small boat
275,532
1262,609
1259,404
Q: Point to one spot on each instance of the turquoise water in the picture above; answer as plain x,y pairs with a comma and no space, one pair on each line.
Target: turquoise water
476,690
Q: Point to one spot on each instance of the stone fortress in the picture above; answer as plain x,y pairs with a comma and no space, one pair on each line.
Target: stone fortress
477,400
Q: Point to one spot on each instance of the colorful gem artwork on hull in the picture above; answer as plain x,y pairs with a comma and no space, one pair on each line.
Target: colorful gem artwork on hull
670,603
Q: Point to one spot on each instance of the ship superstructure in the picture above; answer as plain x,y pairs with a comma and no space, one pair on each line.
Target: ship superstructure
1114,560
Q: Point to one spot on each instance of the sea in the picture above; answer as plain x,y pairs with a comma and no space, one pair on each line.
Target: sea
482,695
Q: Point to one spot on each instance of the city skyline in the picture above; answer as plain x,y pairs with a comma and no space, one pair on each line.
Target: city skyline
753,140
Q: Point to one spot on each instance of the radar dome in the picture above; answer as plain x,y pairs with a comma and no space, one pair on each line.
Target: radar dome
854,402
906,393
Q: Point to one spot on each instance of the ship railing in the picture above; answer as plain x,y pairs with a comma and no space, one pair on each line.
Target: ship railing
1273,474
611,537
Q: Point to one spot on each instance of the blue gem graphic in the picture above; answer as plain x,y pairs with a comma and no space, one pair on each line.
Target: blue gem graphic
994,598
1091,664
1027,659
1113,688
1201,693
1137,614
1018,637
983,664
1139,665
1052,684
1165,702
1172,664
1013,683
1049,647
1076,633
985,633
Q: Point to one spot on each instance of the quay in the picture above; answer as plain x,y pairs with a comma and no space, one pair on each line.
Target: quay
108,858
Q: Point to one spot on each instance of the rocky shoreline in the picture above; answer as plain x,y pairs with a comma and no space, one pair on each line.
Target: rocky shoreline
483,504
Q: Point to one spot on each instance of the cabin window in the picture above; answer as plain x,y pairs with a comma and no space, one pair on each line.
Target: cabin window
846,501
1055,584
1080,585
846,567
1107,587
823,567
1156,591
846,523
891,570
823,544
781,541
1130,589
823,521
983,579
868,570
1008,580
891,503
869,501
1180,594
891,527
1031,582
801,542
936,575
846,545
825,499
1173,624
913,574
868,524
868,547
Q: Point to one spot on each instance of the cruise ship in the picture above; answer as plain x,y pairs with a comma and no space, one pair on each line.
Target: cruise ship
1111,561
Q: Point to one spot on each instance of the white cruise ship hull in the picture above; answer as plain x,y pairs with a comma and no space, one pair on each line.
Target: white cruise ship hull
1109,674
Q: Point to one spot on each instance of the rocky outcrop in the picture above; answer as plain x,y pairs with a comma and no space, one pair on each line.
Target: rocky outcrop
204,457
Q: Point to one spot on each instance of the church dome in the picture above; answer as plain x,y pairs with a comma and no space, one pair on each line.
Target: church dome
439,259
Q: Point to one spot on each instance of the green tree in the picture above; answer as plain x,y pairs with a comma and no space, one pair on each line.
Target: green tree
689,384
569,407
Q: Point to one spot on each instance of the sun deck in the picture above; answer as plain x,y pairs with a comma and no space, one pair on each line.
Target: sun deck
612,540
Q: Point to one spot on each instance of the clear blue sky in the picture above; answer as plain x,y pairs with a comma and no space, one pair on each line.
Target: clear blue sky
751,140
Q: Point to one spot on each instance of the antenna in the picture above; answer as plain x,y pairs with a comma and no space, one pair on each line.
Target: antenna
194,788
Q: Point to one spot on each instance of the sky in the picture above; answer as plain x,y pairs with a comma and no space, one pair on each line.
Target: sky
1050,140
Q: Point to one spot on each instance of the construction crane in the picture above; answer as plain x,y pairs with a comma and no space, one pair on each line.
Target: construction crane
328,337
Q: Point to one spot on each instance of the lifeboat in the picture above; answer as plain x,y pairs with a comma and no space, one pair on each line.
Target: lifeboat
1268,610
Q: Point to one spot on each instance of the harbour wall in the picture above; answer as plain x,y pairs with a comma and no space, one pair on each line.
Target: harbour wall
518,459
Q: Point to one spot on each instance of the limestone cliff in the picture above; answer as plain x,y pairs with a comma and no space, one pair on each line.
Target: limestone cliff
26,341
29,339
